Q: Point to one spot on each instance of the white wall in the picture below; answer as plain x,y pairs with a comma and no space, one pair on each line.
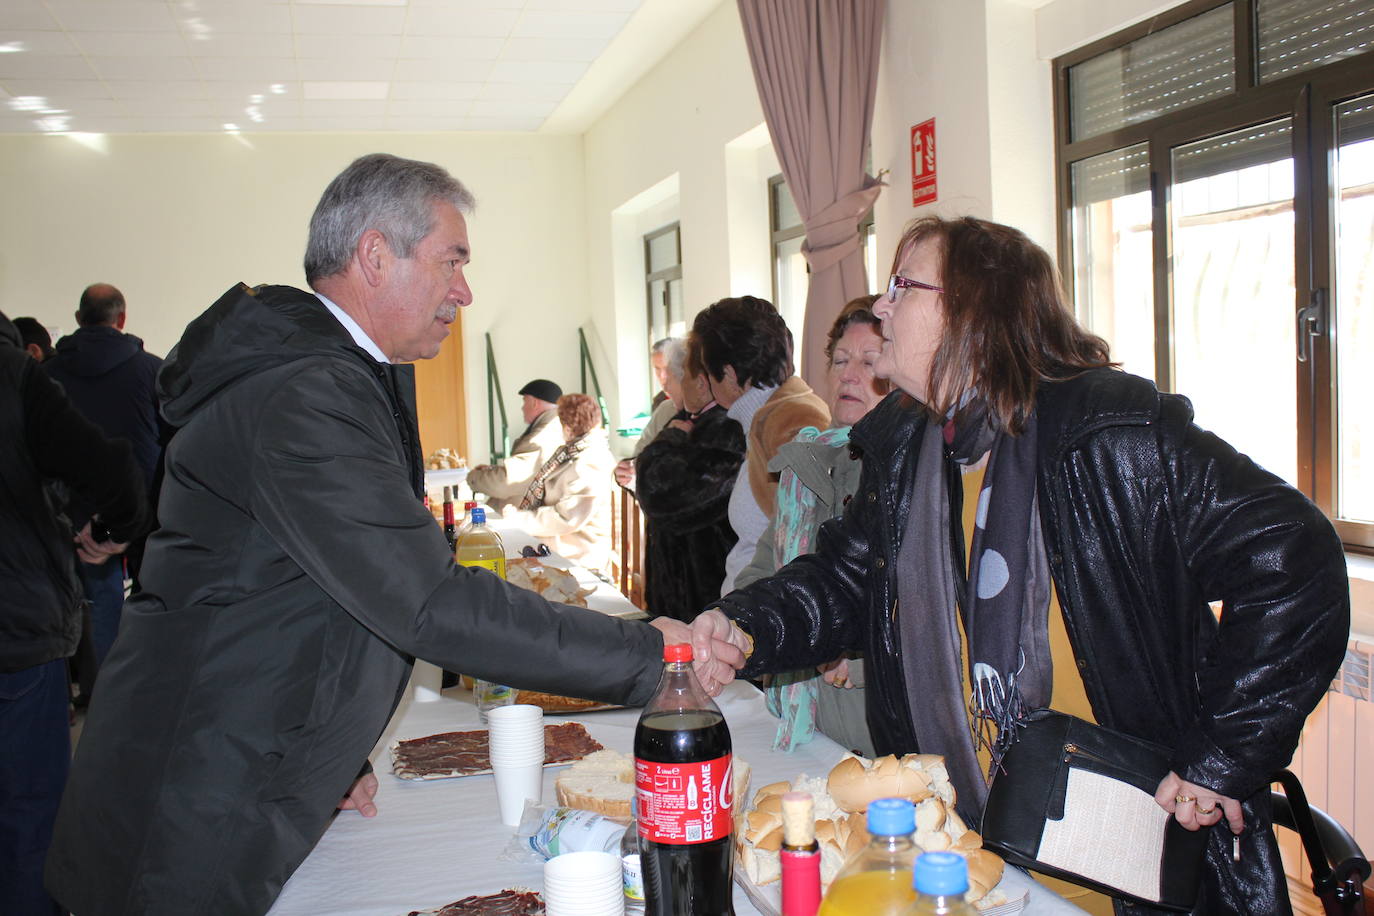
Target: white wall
174,221
676,121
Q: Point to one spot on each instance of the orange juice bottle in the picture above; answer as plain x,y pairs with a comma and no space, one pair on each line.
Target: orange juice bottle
877,881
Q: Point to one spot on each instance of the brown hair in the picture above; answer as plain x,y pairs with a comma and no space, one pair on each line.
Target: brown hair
1007,327
579,413
855,311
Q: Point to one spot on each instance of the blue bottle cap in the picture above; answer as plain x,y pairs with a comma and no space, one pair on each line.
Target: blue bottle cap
479,516
891,817
940,874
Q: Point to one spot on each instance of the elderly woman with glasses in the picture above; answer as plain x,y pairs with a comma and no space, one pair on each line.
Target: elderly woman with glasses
1034,528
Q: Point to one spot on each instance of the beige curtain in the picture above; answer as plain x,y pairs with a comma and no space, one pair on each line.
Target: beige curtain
816,65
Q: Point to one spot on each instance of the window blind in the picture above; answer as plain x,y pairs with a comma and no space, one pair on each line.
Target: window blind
1296,35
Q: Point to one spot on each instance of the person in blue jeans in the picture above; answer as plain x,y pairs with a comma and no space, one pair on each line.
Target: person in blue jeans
43,438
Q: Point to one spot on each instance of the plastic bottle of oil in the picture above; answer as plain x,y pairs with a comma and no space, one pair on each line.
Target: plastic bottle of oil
478,545
877,881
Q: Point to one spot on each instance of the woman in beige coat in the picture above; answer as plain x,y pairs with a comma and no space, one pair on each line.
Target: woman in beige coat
568,503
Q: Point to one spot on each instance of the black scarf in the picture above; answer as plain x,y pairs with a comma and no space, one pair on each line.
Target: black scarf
1001,600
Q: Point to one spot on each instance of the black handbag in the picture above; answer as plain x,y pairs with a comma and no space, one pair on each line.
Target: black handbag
1076,801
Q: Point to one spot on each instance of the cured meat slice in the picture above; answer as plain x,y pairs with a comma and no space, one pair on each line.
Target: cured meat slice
503,903
451,754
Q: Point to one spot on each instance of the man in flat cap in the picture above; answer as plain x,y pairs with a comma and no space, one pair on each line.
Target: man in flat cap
506,481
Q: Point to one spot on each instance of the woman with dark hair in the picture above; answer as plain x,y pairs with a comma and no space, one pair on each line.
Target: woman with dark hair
817,474
568,502
744,350
1101,520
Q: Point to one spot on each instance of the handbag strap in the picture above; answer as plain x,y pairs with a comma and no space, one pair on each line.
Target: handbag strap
1339,867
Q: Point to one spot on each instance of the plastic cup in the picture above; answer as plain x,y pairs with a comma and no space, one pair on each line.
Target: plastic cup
516,733
584,884
516,783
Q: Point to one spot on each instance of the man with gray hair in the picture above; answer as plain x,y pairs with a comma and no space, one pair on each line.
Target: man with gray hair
297,574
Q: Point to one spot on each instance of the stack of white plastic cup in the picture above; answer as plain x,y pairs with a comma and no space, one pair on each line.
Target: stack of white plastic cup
517,758
583,884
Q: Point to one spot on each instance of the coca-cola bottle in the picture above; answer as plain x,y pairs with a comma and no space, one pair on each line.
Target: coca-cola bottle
685,796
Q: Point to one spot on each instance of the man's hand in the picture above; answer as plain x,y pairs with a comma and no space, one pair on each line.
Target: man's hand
714,661
625,472
1196,806
360,795
92,551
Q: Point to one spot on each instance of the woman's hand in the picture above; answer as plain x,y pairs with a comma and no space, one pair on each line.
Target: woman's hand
684,425
836,673
1196,806
718,647
92,551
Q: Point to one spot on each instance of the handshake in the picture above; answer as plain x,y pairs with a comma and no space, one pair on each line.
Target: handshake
719,648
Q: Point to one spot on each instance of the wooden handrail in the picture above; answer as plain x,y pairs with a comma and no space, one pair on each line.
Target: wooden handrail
627,533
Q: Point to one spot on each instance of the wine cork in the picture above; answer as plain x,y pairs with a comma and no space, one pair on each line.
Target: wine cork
798,820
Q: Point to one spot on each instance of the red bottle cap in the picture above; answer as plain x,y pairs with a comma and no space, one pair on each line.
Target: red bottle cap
681,652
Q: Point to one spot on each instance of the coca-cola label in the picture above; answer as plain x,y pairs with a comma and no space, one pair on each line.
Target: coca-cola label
684,803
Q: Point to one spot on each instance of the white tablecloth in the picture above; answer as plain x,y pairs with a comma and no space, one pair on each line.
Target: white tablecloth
433,842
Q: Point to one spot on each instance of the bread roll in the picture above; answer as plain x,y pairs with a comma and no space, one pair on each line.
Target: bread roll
854,782
603,781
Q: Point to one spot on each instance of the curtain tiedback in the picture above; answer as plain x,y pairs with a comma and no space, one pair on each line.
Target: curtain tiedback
816,66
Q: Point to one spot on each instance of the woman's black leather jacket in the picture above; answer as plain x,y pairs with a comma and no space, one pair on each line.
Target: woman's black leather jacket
1147,519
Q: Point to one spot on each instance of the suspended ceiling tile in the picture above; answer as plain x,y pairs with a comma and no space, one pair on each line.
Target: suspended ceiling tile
503,123
525,92
511,109
243,45
364,70
552,50
36,42
155,89
171,108
131,44
343,108
113,15
421,91
348,47
446,20
66,67
344,123
560,24
450,46
144,68
348,20
60,89
429,108
235,18
624,6
25,14
376,91
537,72
443,70
266,70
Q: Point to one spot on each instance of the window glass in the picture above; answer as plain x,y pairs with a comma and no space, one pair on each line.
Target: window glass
1113,276
790,278
1354,307
785,214
1296,35
1232,225
1182,65
663,251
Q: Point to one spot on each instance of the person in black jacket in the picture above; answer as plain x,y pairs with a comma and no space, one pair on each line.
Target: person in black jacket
1104,523
297,574
45,439
111,380
683,481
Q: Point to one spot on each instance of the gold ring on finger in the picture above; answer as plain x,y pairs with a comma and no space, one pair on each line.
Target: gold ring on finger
1183,799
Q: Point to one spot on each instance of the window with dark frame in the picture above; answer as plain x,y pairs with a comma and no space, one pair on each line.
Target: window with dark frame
790,269
663,287
1215,170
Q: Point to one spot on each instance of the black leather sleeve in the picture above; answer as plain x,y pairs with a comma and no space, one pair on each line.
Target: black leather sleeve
1276,564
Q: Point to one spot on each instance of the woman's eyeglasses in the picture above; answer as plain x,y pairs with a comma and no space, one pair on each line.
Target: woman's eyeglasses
899,282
